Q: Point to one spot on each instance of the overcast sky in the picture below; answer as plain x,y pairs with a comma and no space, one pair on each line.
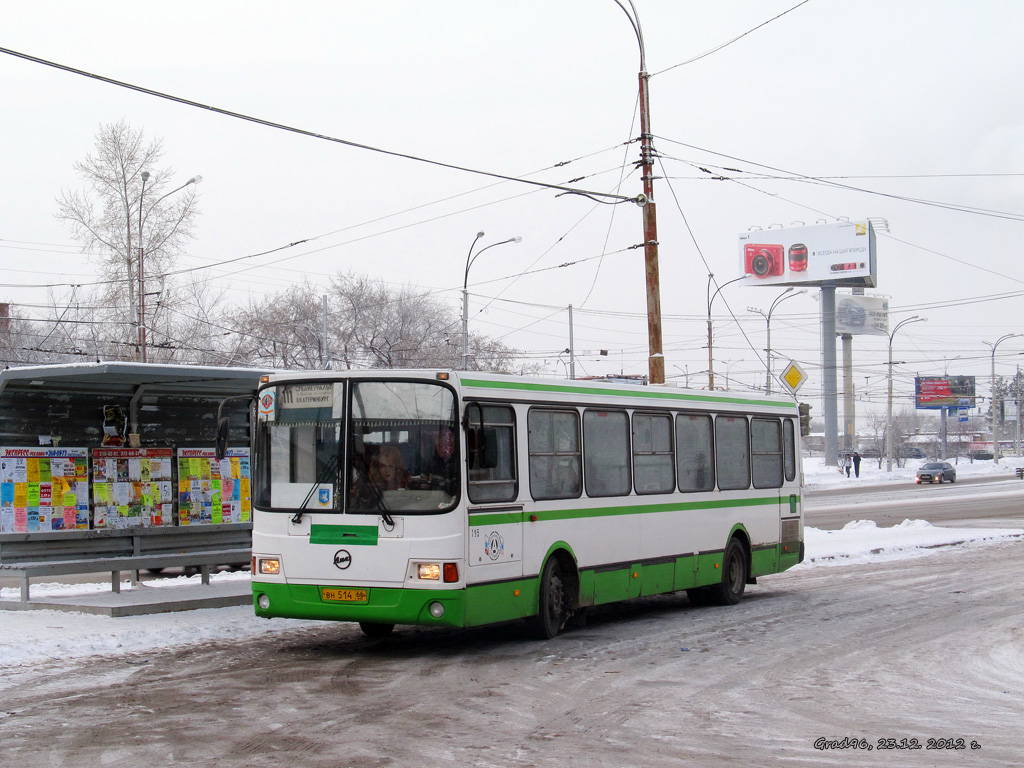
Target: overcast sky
896,99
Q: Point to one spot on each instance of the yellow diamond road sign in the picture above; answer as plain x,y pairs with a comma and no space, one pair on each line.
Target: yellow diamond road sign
793,377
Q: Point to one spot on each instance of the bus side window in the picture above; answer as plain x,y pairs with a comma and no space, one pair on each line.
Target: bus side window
766,452
694,458
492,454
652,453
606,452
732,452
554,444
789,449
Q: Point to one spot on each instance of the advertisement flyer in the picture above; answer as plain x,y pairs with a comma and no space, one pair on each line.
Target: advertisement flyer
211,491
43,489
132,487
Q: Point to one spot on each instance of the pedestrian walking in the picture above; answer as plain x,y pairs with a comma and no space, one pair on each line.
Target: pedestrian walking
844,464
856,463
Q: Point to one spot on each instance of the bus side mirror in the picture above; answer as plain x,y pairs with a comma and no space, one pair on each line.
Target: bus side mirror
223,427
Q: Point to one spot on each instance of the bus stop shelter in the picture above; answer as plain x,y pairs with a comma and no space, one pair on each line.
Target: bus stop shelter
162,406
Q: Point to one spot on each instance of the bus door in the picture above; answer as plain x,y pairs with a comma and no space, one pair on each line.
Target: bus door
770,468
790,503
495,519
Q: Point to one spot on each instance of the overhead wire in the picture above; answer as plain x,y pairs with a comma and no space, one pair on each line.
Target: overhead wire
600,197
726,44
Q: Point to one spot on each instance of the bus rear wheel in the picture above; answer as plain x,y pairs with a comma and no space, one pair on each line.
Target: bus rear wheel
734,575
375,630
554,601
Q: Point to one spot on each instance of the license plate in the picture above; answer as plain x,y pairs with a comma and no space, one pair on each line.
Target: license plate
333,595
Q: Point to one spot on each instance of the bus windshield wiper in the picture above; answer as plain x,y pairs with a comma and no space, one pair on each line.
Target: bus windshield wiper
329,467
378,495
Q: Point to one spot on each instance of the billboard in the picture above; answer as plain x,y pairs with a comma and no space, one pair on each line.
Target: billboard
862,315
944,391
838,254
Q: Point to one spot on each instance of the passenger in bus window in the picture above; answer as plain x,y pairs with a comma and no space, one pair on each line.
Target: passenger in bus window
387,471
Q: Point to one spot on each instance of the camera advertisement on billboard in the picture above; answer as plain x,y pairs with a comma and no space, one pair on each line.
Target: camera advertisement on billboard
841,254
944,391
862,316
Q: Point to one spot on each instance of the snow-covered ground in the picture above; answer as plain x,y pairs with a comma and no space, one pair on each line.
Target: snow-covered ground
818,476
28,637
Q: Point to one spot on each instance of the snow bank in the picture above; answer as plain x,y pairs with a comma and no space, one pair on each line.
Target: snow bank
862,541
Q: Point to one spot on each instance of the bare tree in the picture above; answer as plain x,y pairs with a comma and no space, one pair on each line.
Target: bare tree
281,331
127,214
369,325
22,341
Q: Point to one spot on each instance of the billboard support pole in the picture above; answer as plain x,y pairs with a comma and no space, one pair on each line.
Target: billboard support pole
849,401
945,419
829,404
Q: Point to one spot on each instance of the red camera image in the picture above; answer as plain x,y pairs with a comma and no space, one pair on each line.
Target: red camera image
798,257
764,260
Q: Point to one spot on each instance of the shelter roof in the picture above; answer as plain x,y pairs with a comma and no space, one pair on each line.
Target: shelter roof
125,378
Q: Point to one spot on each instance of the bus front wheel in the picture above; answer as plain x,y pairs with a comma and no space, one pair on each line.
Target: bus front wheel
734,575
554,601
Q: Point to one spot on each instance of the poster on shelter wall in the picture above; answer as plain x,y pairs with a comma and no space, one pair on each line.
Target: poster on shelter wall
43,489
213,492
131,487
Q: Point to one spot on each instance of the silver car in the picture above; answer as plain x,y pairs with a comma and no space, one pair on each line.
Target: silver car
936,472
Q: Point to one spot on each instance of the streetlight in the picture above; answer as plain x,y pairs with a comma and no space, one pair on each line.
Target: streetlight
141,318
996,422
728,369
470,258
888,413
711,299
786,294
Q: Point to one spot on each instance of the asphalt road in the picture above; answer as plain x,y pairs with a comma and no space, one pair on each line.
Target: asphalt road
914,651
925,652
975,502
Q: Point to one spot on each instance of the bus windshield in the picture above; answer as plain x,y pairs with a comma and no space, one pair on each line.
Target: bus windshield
363,447
403,448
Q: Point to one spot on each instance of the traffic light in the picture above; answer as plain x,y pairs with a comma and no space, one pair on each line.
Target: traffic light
805,419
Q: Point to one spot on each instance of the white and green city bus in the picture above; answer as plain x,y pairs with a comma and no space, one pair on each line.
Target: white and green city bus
464,498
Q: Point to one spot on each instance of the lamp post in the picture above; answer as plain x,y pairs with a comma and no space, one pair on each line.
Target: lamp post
470,258
996,421
888,413
728,369
786,294
141,319
711,299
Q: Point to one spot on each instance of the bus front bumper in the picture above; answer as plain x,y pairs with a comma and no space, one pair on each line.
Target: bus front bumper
382,605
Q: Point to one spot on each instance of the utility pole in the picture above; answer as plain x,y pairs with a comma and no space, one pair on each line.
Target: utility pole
656,358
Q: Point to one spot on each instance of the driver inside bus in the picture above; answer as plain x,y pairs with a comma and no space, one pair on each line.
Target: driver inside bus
387,471
438,469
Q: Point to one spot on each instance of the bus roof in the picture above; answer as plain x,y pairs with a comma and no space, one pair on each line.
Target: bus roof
511,387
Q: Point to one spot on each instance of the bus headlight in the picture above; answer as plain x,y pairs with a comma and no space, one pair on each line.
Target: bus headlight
446,572
269,566
429,571
436,610
263,602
